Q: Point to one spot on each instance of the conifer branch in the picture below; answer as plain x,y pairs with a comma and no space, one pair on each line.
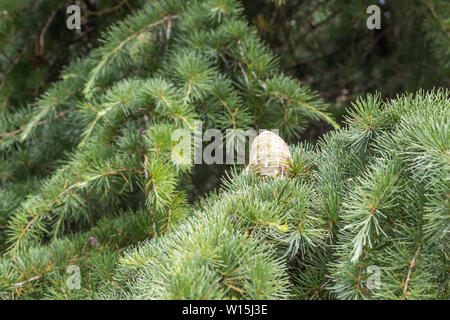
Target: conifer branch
97,69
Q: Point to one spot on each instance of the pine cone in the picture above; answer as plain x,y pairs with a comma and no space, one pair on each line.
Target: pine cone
270,155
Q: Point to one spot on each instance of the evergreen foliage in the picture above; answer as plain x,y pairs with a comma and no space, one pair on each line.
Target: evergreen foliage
87,177
373,194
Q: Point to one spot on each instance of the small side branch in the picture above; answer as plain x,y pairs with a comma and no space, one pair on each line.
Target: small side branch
21,284
408,277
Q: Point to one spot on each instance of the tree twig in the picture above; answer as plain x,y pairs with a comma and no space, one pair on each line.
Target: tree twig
15,132
108,10
45,29
408,277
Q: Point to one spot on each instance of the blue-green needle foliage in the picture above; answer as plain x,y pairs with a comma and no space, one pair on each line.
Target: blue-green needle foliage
94,139
236,245
86,173
41,271
394,214
364,215
370,198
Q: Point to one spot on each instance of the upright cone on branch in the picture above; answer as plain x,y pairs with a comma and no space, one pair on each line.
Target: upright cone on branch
270,155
